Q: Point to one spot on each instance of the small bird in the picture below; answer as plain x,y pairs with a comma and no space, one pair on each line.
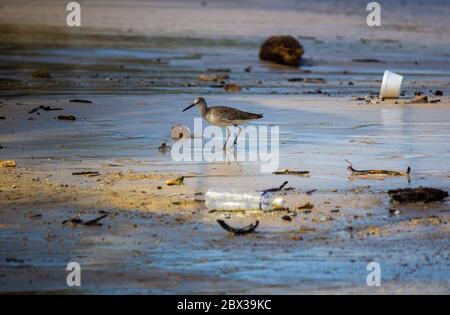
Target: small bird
223,116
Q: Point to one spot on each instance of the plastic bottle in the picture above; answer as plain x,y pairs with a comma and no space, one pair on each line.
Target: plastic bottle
219,199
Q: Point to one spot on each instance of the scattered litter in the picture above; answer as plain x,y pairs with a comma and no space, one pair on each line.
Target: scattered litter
41,73
372,99
177,181
64,117
363,141
49,108
370,230
33,110
434,101
295,79
31,215
286,218
276,188
314,80
230,87
420,194
80,101
8,163
77,220
163,147
232,200
305,229
291,172
368,60
317,91
365,125
2,117
180,132
86,173
307,205
433,220
394,211
219,70
419,99
376,172
438,93
239,231
319,218
217,77
248,69
310,192
391,84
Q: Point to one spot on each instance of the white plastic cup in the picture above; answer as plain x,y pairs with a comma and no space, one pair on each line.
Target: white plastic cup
391,84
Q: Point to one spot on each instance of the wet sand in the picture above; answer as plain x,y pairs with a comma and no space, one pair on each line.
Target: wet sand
165,240
141,236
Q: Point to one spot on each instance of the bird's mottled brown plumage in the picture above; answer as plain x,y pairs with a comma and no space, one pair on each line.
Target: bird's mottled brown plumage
227,116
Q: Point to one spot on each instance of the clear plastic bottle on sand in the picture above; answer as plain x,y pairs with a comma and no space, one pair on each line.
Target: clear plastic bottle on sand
220,199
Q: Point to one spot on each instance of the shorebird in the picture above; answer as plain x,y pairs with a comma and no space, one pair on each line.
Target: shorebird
223,116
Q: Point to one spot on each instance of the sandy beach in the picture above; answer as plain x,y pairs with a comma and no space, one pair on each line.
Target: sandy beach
138,65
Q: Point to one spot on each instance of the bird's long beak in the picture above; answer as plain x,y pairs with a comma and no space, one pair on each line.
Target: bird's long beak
192,105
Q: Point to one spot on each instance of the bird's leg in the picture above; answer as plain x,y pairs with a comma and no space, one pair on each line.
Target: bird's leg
239,132
228,137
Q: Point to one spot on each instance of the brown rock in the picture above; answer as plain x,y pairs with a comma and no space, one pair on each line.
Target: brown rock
217,77
8,163
232,87
41,73
282,49
420,194
419,99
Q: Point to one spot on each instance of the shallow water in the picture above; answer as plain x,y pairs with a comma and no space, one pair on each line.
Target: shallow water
316,134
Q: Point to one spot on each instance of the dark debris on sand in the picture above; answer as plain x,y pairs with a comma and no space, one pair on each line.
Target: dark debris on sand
420,194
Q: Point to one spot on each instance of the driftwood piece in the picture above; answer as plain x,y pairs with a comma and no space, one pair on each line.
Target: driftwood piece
95,221
420,194
86,173
74,221
76,100
66,117
239,231
271,190
376,172
49,108
77,220
291,172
